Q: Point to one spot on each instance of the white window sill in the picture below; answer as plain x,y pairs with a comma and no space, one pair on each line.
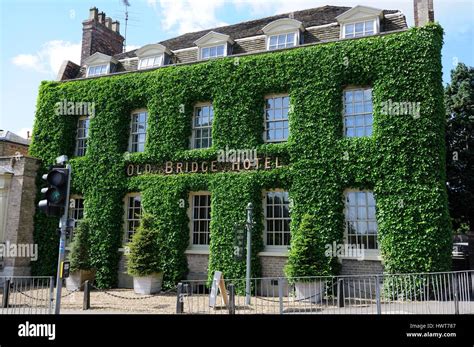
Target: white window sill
204,251
372,256
274,253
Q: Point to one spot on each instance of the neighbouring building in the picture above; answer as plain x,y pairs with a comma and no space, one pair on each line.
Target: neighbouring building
321,96
17,203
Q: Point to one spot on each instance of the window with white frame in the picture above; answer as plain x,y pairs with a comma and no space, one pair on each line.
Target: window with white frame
138,127
277,219
276,118
133,212
97,70
361,223
149,62
202,126
76,213
200,219
213,52
358,116
359,29
81,136
282,41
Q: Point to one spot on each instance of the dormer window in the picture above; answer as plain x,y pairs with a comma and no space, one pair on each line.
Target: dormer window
283,33
97,70
359,29
154,55
360,21
282,41
100,64
148,62
212,52
214,45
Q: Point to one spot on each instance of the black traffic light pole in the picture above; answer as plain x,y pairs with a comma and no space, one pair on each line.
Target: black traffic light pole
56,203
62,244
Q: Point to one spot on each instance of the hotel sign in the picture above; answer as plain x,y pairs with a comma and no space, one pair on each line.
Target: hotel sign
183,167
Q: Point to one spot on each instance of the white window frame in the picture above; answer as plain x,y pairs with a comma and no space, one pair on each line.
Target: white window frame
213,39
85,138
364,31
192,246
155,63
296,40
101,73
201,51
354,115
273,248
126,205
369,254
265,122
283,26
360,14
194,128
131,133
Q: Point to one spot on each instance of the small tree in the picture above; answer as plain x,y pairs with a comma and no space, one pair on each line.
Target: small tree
307,252
145,258
80,249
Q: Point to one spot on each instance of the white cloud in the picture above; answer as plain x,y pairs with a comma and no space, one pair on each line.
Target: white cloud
129,48
50,57
24,132
188,16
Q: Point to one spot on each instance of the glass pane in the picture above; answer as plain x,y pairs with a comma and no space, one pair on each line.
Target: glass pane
350,121
358,95
361,199
273,40
361,213
360,132
359,27
368,94
349,28
220,51
370,199
369,26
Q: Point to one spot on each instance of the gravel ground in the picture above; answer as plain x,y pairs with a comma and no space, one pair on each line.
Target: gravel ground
125,301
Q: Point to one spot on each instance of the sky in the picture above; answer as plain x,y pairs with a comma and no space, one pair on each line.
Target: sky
36,36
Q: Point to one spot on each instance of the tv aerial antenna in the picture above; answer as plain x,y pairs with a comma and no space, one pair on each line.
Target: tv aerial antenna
126,3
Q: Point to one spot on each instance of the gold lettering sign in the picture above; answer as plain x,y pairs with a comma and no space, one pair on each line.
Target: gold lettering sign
173,168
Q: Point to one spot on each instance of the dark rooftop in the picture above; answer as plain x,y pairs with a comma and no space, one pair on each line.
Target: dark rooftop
310,17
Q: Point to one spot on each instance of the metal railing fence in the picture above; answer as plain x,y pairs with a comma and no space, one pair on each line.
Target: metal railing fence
417,293
26,295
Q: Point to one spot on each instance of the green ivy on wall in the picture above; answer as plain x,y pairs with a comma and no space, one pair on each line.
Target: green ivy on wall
403,162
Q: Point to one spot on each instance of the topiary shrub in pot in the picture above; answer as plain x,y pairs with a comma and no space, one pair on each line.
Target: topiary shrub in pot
81,268
307,260
144,260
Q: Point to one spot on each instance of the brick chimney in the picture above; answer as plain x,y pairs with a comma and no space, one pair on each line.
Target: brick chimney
100,34
424,12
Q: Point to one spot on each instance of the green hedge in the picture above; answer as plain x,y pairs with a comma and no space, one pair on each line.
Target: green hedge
403,162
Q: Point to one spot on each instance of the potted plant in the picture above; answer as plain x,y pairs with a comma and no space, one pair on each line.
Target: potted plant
307,260
144,260
81,268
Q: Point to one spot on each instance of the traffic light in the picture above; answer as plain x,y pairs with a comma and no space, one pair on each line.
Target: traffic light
56,192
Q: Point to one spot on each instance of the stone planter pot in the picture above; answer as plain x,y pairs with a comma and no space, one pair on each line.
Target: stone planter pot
310,291
148,284
77,278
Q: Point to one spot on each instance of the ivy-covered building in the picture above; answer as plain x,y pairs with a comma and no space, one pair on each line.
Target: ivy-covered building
336,112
